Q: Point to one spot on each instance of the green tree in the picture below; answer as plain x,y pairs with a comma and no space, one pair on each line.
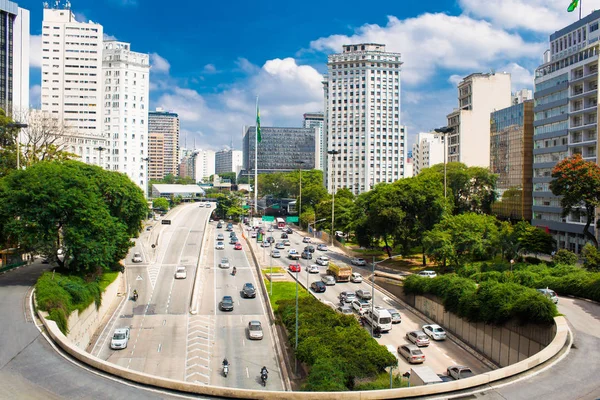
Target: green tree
472,189
578,182
229,175
566,257
88,213
533,239
591,257
161,204
464,237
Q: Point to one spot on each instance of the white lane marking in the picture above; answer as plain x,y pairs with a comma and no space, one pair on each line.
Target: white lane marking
243,343
159,347
247,373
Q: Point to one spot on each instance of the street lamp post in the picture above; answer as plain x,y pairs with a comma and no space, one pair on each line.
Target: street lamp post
100,150
300,163
333,153
147,161
445,131
18,125
314,224
373,283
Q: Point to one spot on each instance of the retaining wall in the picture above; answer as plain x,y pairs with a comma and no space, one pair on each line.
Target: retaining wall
504,345
82,325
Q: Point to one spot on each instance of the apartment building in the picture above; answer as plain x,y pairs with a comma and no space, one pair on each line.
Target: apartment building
204,165
229,161
511,159
164,127
316,121
478,96
428,150
71,87
565,122
156,155
362,118
126,90
14,66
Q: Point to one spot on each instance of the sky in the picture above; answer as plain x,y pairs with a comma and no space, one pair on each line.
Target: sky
209,60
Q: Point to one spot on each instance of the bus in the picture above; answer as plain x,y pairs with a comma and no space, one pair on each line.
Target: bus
280,223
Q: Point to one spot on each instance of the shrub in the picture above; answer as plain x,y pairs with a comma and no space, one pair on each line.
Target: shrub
591,257
326,376
566,257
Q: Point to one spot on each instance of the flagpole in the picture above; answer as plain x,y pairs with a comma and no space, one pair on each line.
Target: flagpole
256,162
580,1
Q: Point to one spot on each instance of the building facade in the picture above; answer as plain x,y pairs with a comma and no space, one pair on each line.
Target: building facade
565,122
165,124
279,149
156,155
229,161
126,91
428,150
511,158
478,95
316,120
204,165
71,87
362,118
14,63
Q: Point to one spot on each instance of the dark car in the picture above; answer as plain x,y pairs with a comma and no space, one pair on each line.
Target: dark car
310,248
270,239
226,304
288,230
307,255
233,240
318,287
248,290
284,235
219,225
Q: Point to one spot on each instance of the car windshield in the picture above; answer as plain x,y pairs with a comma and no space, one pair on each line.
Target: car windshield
119,336
385,320
225,300
255,327
225,260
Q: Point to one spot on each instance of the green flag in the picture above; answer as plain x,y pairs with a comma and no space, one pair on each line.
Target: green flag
573,5
258,136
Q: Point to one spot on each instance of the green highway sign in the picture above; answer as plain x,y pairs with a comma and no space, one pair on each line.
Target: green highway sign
275,207
268,219
291,219
246,207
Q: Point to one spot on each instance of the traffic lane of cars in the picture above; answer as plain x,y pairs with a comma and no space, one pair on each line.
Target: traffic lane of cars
245,355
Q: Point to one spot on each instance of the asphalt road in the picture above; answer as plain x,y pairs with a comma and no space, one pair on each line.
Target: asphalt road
439,354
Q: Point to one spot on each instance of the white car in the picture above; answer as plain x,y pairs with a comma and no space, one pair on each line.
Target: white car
328,280
120,339
181,273
313,269
137,258
396,317
427,274
207,205
220,246
253,234
356,277
224,263
361,306
434,331
323,260
275,253
220,236
358,261
265,244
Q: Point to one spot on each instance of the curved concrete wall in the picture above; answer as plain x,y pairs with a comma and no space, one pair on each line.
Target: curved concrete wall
545,354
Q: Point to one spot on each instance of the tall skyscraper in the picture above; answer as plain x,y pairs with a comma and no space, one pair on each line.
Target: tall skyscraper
14,63
126,91
565,122
428,150
204,164
166,125
478,95
511,155
156,155
71,81
362,117
229,161
316,121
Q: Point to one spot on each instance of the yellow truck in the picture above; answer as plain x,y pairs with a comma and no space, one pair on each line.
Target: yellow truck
341,273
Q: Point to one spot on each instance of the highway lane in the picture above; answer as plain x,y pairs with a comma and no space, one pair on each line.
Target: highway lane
159,319
439,355
246,357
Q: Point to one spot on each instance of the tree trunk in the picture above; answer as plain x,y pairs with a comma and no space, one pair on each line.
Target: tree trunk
586,232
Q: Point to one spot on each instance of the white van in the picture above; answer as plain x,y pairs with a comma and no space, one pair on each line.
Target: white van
379,318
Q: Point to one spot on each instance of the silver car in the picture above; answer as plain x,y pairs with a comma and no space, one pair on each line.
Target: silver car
255,330
275,253
224,263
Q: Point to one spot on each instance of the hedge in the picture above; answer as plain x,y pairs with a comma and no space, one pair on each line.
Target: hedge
490,301
334,346
60,295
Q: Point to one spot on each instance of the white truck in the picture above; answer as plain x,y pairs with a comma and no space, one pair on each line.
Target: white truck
379,318
420,376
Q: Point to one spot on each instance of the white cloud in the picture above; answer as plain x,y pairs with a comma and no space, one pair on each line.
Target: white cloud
34,96
159,64
209,69
535,15
246,66
521,78
80,17
455,79
35,51
109,37
433,41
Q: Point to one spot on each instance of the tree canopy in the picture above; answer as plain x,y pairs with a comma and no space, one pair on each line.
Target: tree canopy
87,213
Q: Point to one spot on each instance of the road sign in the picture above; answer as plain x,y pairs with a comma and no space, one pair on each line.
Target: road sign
266,218
246,207
291,219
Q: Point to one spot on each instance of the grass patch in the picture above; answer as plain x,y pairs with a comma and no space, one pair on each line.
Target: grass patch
276,270
381,382
106,279
284,291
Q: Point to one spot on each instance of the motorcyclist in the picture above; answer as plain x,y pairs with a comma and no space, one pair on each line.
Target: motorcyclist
264,371
135,294
234,270
225,362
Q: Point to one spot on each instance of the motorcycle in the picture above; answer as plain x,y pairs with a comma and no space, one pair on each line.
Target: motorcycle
135,296
234,271
263,378
225,369
377,333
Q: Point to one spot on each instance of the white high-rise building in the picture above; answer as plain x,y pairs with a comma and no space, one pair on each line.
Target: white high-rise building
125,75
428,150
478,95
204,164
316,120
229,161
362,118
20,72
71,81
522,95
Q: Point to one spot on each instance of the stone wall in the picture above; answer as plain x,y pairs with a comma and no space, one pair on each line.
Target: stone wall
82,325
504,345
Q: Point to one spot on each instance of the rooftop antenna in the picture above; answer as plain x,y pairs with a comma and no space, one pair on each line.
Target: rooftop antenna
46,5
56,3
67,5
231,142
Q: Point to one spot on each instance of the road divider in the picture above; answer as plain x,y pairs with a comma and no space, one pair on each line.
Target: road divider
196,289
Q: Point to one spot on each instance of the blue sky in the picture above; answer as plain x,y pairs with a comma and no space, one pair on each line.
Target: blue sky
211,59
